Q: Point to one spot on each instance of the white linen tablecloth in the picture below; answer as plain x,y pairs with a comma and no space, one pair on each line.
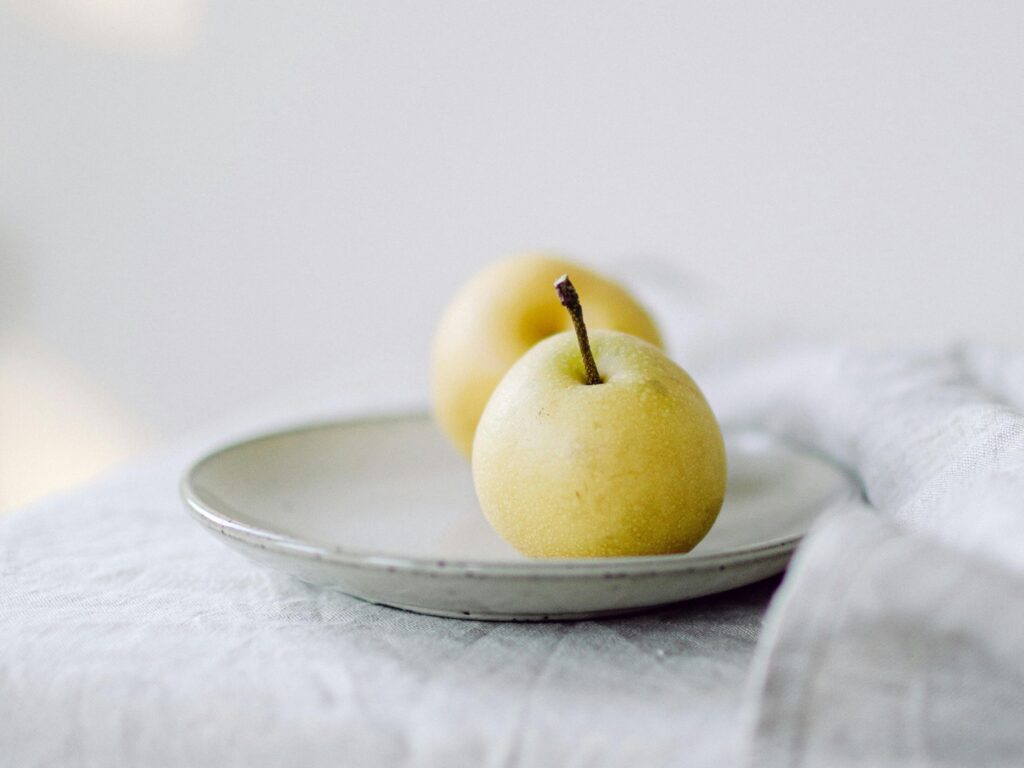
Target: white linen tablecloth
129,637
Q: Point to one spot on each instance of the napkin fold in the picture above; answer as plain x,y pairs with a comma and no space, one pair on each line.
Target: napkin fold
898,637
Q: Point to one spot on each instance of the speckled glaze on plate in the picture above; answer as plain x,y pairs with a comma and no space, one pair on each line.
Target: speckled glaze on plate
383,509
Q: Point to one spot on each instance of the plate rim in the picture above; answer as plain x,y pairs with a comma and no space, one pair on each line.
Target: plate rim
637,565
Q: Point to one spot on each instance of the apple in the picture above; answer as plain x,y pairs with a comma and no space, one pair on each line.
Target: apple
596,445
501,313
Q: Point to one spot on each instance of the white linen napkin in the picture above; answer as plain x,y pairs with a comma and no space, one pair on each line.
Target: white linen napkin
898,637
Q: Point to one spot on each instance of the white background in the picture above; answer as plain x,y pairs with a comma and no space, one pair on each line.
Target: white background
205,205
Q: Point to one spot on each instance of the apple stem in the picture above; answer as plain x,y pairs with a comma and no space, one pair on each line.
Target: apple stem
571,301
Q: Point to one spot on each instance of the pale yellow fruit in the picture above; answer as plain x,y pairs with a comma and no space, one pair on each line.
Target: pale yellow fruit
634,465
498,315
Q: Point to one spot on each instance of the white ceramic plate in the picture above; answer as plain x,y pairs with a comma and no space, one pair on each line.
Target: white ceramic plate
384,510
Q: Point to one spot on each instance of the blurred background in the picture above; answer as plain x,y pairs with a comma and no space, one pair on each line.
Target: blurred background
203,204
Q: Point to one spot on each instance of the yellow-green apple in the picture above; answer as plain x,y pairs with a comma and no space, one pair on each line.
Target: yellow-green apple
598,446
497,316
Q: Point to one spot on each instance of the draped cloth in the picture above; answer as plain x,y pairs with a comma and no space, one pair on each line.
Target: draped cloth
130,637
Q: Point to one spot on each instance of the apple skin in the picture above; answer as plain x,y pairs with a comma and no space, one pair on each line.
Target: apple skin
632,466
501,313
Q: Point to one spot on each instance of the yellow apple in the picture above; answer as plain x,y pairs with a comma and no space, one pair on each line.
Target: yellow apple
633,464
501,313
